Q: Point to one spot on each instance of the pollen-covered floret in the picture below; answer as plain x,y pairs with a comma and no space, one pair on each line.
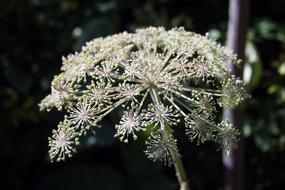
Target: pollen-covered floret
199,126
82,116
63,141
227,136
161,148
159,113
130,123
233,92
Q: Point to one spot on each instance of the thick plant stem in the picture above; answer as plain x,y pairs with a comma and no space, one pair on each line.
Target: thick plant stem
236,40
177,162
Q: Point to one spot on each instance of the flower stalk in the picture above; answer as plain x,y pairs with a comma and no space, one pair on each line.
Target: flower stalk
178,165
176,159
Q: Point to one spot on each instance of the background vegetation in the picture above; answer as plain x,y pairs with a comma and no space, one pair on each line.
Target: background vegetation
34,34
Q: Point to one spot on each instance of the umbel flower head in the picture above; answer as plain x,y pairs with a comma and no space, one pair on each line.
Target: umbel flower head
161,78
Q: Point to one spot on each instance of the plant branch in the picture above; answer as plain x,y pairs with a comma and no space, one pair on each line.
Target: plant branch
177,162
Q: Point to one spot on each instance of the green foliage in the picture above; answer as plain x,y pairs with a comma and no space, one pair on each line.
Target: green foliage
266,124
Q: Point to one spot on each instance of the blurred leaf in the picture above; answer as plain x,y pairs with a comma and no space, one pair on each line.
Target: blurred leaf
272,88
273,129
214,34
247,131
252,72
282,142
266,28
263,143
269,30
281,69
281,98
106,6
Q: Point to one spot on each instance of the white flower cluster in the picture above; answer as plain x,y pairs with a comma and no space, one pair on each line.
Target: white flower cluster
161,78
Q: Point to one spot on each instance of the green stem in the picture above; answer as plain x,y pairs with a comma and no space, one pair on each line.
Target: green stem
177,162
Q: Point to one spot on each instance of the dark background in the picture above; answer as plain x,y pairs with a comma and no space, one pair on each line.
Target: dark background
34,34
